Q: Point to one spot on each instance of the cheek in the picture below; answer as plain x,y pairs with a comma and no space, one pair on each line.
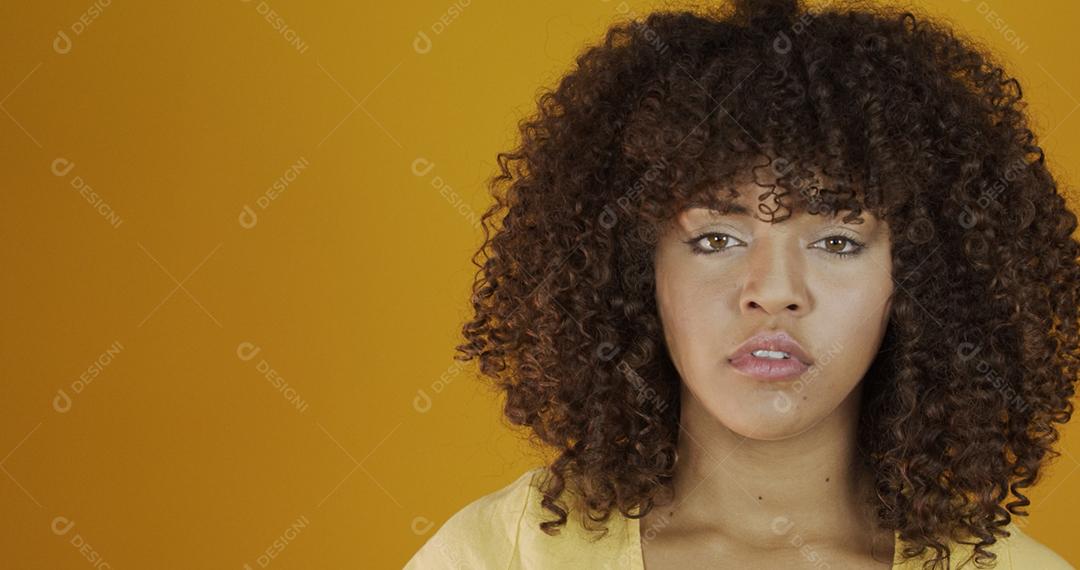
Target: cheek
696,318
852,323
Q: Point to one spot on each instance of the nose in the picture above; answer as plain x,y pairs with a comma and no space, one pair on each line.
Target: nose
775,282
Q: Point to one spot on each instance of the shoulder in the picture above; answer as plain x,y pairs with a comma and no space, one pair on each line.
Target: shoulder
1018,551
481,534
502,530
1024,551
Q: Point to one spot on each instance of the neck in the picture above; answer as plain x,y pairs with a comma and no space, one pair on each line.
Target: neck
768,493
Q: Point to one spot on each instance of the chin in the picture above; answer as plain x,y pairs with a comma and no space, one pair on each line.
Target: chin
760,420
765,432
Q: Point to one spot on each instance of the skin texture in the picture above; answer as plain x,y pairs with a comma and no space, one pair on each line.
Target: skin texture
780,455
769,276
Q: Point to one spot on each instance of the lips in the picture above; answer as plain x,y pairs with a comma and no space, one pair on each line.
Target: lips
769,368
777,340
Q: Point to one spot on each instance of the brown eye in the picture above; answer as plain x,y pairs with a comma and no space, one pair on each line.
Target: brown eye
716,241
837,245
711,243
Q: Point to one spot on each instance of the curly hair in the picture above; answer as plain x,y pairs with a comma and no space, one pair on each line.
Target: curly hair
907,120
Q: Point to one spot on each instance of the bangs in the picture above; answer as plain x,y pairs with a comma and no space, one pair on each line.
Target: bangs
811,133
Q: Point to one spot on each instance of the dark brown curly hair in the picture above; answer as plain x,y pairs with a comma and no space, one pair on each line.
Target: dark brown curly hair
905,119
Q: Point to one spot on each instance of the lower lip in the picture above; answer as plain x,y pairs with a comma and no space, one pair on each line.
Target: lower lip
769,369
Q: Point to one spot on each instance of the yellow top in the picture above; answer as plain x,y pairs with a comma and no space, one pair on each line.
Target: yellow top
499,531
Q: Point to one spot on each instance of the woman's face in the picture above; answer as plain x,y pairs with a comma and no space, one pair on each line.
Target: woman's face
751,276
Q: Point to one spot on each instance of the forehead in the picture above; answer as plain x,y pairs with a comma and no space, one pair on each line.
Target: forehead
763,212
695,219
754,197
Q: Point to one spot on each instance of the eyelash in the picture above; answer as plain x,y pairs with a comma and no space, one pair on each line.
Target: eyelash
692,242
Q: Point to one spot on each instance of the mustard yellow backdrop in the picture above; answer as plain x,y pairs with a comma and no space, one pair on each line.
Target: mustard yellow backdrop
235,246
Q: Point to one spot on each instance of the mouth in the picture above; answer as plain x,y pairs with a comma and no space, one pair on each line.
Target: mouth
771,355
769,367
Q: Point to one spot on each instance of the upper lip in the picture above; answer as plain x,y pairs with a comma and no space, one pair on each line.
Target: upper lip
773,340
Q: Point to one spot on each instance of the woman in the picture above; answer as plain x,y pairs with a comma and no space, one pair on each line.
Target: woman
782,289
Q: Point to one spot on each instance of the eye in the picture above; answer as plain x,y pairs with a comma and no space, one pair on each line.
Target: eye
837,245
711,243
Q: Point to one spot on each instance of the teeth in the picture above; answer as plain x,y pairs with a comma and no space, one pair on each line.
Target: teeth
775,354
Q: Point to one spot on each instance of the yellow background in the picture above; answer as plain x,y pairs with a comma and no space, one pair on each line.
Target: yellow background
183,451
